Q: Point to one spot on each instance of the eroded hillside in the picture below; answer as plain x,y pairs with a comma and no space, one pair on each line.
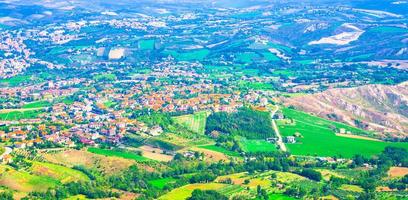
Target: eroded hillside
381,108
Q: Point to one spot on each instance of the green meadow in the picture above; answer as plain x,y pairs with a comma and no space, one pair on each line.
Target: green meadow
117,153
318,138
190,55
160,183
20,114
220,149
37,104
256,145
146,44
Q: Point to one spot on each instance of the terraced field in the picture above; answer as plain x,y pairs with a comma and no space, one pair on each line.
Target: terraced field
319,139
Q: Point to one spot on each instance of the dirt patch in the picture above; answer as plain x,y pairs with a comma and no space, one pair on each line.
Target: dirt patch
70,158
397,172
211,155
154,153
357,137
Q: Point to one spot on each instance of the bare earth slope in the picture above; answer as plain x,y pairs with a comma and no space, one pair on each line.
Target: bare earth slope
381,108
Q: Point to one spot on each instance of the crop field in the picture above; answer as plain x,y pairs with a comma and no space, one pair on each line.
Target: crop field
256,145
318,139
23,181
220,149
61,173
18,114
195,122
186,191
117,153
160,183
353,188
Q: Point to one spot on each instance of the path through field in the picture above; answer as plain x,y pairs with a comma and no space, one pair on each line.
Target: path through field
275,128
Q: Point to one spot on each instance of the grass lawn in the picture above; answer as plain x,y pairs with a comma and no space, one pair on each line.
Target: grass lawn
220,149
195,122
185,191
20,114
37,104
256,145
160,183
320,140
58,172
117,153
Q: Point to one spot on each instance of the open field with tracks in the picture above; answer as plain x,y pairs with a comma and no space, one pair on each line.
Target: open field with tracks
194,122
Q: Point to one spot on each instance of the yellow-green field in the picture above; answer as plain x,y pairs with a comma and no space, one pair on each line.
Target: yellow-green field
23,181
194,122
186,191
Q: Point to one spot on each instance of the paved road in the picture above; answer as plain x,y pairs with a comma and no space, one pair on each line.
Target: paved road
275,128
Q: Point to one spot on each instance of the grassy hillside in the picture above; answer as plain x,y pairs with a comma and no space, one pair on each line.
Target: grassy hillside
318,138
58,172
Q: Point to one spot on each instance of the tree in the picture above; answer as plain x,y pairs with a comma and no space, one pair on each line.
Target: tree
311,174
6,195
206,195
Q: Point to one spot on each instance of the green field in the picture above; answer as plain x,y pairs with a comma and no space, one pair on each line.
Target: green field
195,122
280,197
20,114
256,145
37,104
160,183
16,80
58,172
247,57
220,149
320,140
117,153
189,56
388,29
146,44
270,56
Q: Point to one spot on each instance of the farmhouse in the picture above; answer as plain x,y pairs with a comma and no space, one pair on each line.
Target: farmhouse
290,139
155,131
